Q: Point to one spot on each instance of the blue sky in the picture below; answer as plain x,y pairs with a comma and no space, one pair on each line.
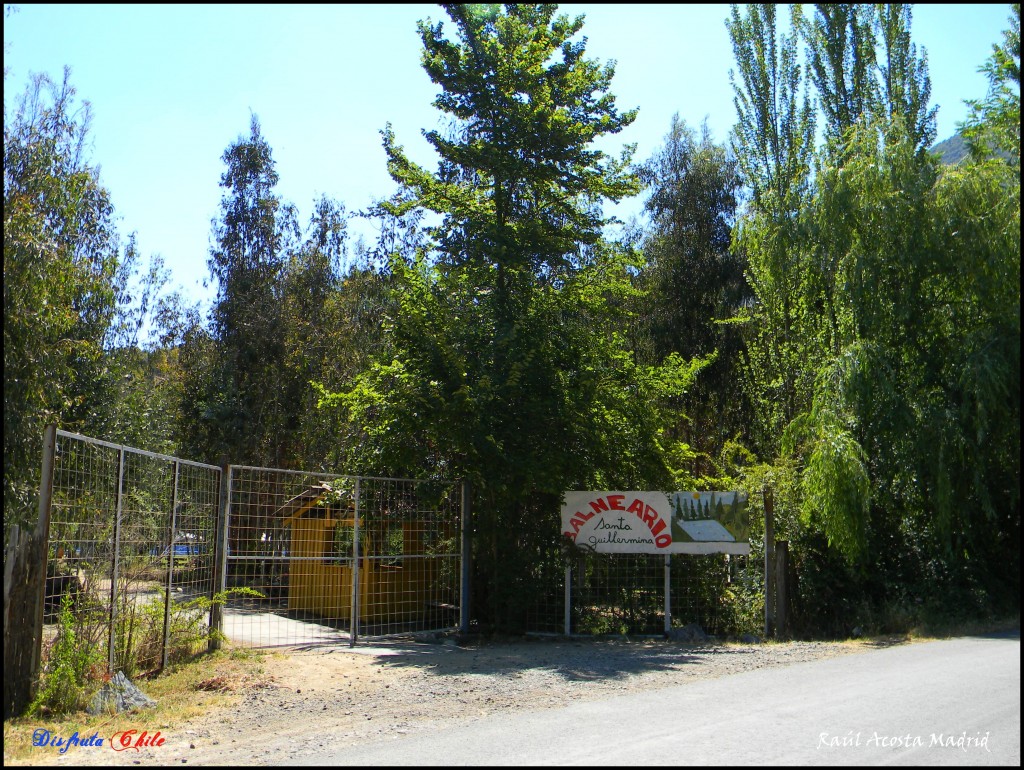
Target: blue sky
172,86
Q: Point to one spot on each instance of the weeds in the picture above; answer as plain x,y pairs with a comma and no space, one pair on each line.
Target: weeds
76,661
72,666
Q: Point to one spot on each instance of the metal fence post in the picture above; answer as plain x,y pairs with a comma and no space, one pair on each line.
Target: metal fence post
220,567
114,573
466,555
668,594
354,621
170,568
41,541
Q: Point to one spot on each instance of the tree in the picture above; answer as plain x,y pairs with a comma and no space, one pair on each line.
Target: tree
862,62
905,86
505,359
244,416
773,142
907,410
994,122
841,55
311,281
696,279
61,256
904,321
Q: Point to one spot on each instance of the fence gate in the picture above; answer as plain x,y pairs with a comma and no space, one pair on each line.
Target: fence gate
130,550
319,559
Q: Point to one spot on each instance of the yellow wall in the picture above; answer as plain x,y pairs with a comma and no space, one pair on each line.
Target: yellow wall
386,591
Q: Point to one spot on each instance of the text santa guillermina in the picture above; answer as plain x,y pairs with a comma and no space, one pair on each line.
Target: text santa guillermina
649,517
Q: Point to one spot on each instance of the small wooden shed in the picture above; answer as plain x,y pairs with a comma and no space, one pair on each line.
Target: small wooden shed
398,572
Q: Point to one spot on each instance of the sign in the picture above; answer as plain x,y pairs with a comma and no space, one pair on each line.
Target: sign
657,522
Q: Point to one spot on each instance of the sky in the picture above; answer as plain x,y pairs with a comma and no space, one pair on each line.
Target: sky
171,86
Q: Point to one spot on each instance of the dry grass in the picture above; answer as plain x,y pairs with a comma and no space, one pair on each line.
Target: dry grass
182,693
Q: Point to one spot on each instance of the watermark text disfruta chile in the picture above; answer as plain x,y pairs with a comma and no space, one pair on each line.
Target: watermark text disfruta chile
119,741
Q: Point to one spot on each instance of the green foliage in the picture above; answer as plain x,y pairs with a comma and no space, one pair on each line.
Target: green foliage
841,55
862,62
774,144
285,316
694,279
72,667
904,84
504,359
994,122
237,399
77,660
74,308
140,630
60,260
774,138
883,333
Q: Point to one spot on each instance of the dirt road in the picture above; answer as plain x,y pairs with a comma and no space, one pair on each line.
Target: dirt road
311,700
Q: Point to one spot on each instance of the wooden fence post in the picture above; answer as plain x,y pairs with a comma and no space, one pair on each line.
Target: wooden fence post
25,594
567,619
23,571
769,564
466,557
781,599
668,594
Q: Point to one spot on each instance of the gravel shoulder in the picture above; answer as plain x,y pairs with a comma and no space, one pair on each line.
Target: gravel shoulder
330,697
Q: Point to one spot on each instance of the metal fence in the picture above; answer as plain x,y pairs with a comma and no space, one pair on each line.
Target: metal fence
130,551
150,552
318,558
639,594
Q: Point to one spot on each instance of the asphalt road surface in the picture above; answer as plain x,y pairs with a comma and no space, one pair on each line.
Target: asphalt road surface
951,702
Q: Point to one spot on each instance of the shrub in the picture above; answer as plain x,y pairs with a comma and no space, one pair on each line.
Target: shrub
73,664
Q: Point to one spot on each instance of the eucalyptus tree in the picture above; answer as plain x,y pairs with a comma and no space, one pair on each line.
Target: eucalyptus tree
310,280
251,236
696,280
61,258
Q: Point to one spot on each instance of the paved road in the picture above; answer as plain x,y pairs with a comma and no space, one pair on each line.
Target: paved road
953,702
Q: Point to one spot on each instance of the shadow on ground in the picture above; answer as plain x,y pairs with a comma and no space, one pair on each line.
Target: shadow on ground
572,660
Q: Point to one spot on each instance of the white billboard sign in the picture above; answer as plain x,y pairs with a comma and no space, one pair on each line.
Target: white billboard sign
657,522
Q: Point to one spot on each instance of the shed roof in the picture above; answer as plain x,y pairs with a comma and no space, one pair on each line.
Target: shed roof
302,502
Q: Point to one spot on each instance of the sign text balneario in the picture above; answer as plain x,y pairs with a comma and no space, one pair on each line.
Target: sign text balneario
657,522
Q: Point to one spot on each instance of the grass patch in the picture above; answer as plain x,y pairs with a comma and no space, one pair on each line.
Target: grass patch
945,628
183,692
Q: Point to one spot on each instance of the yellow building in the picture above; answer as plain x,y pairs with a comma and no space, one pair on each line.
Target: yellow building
400,561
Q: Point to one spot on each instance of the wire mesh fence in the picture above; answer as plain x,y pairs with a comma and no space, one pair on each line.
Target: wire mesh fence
130,552
626,594
311,558
719,592
320,558
618,594
594,580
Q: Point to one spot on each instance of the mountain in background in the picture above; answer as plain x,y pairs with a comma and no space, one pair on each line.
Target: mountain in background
952,150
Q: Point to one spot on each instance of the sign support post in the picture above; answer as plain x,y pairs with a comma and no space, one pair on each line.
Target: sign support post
668,594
